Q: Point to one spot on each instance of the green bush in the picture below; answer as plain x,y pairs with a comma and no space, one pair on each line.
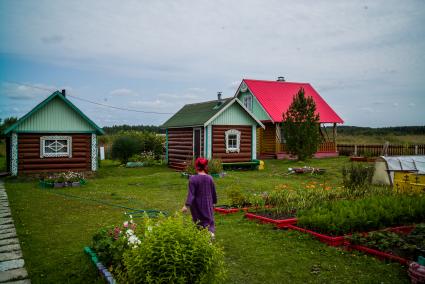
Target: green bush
124,147
238,199
215,166
357,178
190,167
147,158
174,250
373,212
148,141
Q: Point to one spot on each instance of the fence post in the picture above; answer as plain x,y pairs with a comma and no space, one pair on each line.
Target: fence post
416,149
355,150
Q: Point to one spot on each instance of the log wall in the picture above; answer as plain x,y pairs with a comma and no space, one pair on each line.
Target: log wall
219,143
29,160
180,145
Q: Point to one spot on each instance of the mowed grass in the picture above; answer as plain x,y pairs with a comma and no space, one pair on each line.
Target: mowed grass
53,229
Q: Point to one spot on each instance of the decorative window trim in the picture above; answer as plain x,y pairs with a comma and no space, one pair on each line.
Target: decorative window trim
247,102
238,141
43,140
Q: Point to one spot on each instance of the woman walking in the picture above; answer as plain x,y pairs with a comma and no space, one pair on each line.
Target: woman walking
201,197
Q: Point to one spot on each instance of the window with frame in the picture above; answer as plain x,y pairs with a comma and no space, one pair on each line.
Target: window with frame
55,146
247,102
233,141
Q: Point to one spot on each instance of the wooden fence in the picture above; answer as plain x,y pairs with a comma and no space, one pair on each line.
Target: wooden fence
379,150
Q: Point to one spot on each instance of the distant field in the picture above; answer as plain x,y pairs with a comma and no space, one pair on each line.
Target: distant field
380,139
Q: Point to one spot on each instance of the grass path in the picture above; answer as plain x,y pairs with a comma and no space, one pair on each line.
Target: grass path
53,229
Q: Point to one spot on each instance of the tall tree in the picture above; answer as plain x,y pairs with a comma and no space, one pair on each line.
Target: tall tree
301,126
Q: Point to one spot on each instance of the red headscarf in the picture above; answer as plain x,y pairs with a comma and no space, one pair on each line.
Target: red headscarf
201,164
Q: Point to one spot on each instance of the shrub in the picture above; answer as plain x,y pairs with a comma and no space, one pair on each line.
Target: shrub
124,147
237,198
357,178
215,166
147,158
174,250
190,167
148,141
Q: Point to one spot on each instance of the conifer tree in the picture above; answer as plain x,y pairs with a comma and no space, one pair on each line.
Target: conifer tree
301,126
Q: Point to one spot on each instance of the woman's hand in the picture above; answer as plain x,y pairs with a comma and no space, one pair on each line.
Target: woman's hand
184,209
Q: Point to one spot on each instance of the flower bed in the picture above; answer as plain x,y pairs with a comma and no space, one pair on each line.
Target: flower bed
103,271
152,251
67,179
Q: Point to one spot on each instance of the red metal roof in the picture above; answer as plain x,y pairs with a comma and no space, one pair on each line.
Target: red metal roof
276,96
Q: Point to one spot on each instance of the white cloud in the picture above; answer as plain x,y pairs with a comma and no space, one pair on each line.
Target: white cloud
123,92
348,53
35,91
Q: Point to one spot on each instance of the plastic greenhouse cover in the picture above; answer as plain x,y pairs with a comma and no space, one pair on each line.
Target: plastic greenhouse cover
406,163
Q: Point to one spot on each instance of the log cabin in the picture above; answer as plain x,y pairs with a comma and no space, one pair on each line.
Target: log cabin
220,129
268,100
55,136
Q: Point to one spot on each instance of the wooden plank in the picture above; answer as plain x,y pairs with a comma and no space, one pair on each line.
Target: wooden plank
53,160
53,166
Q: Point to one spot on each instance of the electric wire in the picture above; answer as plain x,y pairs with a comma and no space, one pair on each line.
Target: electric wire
89,101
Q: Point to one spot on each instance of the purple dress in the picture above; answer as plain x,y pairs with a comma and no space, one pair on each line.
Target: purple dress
200,198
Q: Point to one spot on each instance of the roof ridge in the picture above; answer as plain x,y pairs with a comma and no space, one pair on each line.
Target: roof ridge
280,82
223,99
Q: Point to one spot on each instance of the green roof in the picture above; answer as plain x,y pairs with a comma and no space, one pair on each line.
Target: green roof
47,110
195,114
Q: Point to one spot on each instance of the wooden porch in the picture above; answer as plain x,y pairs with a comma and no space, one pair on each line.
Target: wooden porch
270,146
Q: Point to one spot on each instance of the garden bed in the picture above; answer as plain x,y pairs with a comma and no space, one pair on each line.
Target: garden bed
330,240
280,223
226,210
103,271
401,244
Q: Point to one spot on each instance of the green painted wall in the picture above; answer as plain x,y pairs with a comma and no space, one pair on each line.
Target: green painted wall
257,109
234,115
56,116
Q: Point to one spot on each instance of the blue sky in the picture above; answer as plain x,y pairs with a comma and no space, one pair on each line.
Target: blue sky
365,58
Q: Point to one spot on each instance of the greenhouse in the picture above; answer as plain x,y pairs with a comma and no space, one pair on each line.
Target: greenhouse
386,167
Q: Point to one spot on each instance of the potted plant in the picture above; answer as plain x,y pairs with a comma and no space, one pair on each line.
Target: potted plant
59,182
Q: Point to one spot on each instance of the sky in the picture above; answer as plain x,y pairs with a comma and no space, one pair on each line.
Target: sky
365,58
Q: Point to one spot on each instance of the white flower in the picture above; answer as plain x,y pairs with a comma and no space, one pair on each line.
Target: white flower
129,233
133,240
125,224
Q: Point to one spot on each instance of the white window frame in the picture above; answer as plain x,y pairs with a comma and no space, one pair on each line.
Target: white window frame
238,141
44,139
247,102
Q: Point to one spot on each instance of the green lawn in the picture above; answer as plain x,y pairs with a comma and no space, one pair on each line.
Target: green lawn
53,229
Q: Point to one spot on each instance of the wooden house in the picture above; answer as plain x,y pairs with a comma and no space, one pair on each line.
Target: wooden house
220,129
54,136
268,100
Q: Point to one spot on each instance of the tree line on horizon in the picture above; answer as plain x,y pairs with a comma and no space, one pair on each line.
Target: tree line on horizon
395,130
347,130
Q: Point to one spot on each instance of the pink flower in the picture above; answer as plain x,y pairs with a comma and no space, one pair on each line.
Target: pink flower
125,224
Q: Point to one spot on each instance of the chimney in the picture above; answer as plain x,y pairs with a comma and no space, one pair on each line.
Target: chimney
281,79
219,97
63,93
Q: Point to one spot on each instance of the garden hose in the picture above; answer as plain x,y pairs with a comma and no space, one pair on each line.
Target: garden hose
136,213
